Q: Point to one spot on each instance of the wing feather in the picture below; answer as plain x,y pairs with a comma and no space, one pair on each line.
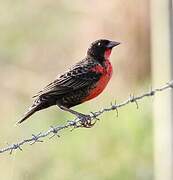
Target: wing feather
76,78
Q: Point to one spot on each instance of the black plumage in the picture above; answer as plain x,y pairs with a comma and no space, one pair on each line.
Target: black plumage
70,88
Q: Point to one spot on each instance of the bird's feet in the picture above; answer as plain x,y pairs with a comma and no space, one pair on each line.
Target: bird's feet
86,121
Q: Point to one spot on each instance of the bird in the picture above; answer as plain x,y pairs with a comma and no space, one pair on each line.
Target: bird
82,82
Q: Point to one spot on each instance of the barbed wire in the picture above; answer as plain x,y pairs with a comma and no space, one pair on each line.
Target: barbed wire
78,122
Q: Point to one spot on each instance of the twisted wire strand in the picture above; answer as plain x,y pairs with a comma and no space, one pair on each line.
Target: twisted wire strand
78,123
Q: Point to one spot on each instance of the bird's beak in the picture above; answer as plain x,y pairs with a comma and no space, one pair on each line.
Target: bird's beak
112,44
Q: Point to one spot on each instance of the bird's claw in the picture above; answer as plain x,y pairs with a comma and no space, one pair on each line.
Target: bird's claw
86,121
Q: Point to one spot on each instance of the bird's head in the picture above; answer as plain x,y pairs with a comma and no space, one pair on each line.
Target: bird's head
101,49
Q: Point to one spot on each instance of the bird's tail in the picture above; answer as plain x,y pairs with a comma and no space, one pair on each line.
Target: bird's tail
38,105
31,111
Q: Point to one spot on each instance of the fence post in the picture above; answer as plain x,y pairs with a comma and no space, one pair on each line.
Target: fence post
162,67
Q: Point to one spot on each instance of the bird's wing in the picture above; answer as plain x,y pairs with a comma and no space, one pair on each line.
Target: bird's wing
76,78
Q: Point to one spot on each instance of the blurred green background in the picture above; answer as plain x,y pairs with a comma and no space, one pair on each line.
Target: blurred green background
40,39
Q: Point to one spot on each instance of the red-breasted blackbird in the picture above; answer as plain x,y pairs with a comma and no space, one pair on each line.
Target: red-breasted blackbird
84,81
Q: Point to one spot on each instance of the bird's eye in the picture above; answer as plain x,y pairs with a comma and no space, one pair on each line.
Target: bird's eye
99,44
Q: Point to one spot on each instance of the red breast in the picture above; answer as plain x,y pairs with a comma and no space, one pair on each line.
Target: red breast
106,72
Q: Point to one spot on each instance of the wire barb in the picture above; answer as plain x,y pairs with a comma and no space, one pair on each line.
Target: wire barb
14,147
151,92
94,115
54,131
133,99
79,123
114,107
36,138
